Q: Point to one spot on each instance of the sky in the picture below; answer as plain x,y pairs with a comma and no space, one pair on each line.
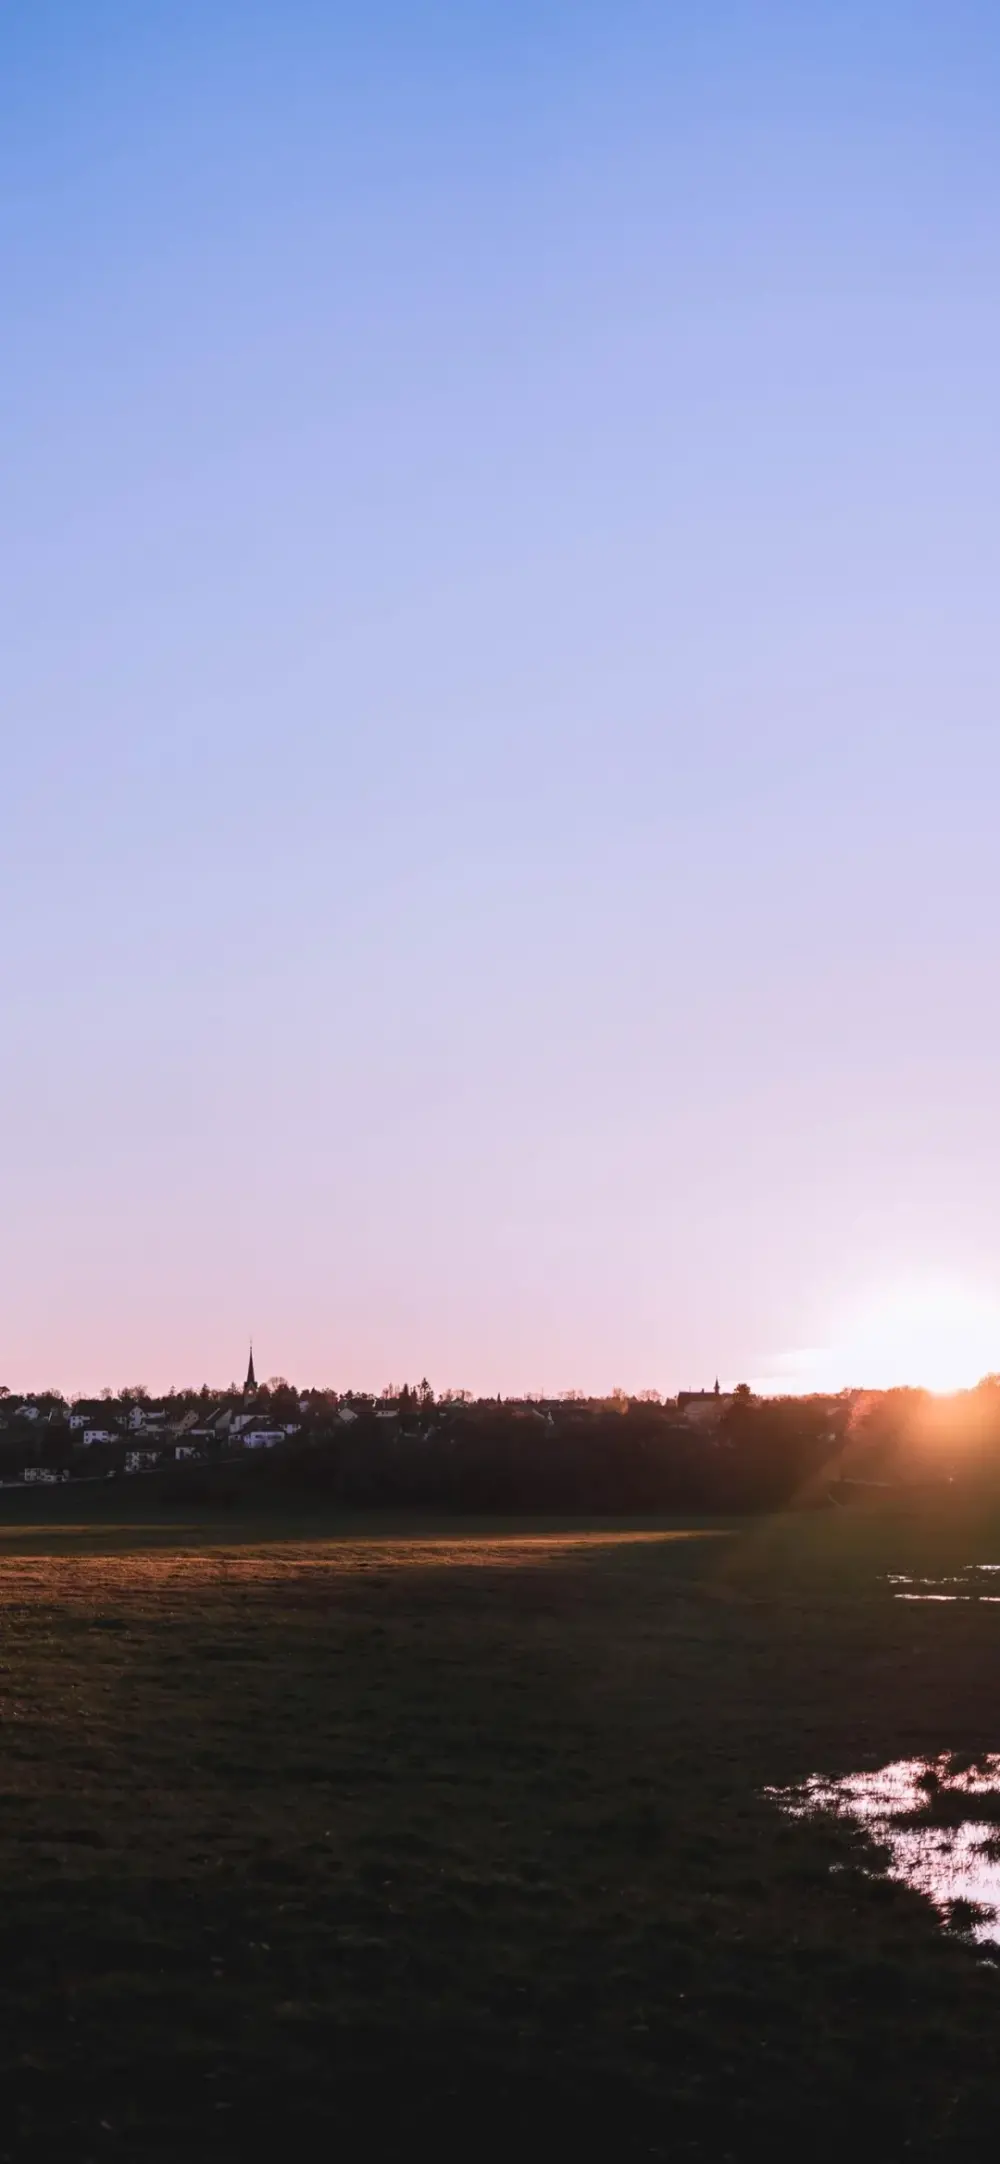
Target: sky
498,571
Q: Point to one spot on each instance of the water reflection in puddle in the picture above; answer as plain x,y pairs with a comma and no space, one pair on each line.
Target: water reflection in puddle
970,1583
938,1821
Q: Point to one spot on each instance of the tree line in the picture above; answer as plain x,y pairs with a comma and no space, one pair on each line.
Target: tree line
616,1454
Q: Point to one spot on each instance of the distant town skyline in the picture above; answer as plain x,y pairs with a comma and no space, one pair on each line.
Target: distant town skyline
498,577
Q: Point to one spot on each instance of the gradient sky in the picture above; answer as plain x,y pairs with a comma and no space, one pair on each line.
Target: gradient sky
498,593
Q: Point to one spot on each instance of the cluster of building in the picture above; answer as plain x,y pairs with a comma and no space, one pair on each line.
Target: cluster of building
139,1434
100,1438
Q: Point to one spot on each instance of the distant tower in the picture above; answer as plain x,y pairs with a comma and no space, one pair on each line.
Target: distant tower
251,1381
715,1393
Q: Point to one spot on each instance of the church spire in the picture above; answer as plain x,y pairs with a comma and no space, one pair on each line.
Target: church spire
251,1381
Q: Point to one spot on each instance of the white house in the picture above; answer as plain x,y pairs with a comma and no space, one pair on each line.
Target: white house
141,1461
262,1438
96,1435
703,1408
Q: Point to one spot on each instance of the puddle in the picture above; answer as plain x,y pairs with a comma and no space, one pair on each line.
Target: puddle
938,1821
972,1582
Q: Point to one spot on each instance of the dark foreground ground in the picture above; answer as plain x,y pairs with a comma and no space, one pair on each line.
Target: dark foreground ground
376,1846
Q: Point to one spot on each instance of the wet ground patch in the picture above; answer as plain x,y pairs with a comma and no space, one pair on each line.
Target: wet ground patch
972,1581
935,1824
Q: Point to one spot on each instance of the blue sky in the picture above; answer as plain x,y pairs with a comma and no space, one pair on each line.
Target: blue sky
499,561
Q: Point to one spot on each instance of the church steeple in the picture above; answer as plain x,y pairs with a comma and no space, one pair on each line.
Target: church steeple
251,1381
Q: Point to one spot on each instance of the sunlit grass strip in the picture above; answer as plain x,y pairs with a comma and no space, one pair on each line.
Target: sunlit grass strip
62,1577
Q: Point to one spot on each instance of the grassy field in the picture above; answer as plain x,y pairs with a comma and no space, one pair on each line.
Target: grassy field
444,1839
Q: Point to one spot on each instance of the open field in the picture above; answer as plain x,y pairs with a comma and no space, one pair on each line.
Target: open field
326,1830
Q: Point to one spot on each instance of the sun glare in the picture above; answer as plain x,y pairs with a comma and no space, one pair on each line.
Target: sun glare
938,1336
